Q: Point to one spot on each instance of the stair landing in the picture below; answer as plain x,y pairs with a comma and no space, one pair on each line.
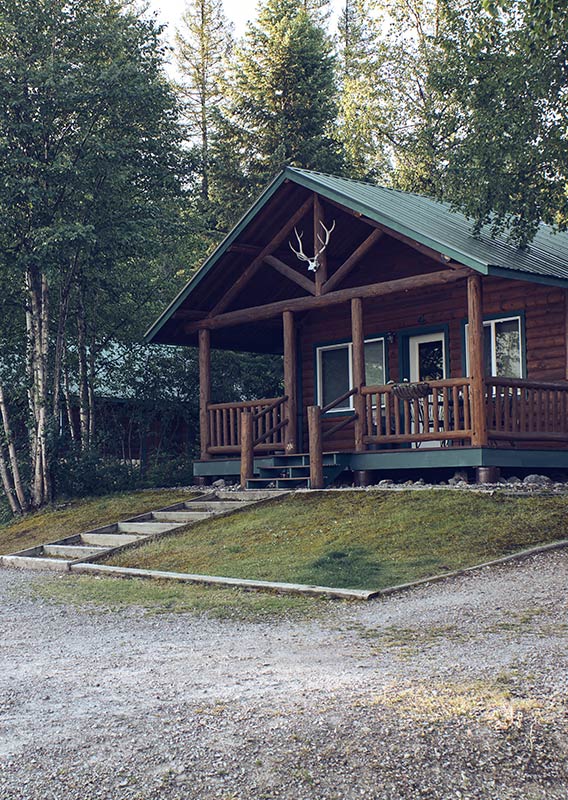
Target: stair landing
293,471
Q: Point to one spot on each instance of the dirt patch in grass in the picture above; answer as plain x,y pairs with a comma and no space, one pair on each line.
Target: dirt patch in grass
161,597
358,540
81,515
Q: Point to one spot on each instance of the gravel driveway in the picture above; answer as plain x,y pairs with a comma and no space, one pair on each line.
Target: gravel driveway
457,690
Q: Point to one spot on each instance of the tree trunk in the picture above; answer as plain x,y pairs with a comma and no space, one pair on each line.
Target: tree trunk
67,396
83,379
8,485
14,484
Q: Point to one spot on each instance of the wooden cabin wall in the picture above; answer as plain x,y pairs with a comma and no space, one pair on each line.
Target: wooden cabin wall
545,317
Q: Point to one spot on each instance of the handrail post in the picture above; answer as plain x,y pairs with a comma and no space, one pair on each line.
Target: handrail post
247,448
316,454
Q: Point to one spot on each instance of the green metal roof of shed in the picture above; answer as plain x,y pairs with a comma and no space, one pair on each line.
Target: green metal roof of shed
424,220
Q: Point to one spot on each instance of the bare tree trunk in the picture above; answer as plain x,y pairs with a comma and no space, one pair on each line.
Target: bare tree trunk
83,379
91,391
67,395
15,478
44,352
8,485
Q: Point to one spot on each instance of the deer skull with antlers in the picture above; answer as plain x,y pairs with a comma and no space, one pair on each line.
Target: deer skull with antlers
313,263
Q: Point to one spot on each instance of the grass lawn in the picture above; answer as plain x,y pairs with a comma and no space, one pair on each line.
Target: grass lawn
160,597
363,540
81,515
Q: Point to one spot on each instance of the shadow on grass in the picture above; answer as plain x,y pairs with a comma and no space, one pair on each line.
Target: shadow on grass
357,568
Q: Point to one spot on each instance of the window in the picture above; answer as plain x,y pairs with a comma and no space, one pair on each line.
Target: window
503,353
335,371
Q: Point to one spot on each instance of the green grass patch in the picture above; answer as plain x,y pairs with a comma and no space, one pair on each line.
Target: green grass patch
81,515
160,597
359,540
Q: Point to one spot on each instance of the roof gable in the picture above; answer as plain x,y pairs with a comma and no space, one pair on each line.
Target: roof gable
426,221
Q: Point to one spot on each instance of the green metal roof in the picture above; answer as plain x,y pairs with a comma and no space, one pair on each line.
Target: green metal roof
429,222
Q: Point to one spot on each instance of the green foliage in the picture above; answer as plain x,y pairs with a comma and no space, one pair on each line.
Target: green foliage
504,73
280,104
360,540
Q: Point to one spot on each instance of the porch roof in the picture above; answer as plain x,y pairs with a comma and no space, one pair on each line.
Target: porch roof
425,221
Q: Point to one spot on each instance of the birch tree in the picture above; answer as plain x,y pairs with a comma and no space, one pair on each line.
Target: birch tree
88,146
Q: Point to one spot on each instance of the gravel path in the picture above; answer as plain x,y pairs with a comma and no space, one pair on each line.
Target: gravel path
457,690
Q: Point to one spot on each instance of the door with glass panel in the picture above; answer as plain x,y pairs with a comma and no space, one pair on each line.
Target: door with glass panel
427,356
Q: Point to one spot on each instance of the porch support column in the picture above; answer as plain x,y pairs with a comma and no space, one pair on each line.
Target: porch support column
290,380
204,389
476,361
358,339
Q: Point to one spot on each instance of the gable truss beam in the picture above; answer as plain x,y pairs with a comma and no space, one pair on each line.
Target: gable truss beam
352,261
421,248
291,274
255,265
256,313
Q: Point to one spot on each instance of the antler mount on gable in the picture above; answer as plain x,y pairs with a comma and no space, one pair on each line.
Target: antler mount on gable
313,262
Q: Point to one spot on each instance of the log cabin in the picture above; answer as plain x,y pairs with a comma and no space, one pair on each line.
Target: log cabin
408,344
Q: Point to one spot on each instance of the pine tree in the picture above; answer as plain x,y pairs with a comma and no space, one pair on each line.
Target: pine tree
280,103
203,44
363,93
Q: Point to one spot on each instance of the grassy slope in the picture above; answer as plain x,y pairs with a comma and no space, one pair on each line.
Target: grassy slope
81,515
359,540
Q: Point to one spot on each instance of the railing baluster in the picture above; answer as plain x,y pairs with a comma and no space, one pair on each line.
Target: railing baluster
456,404
388,396
466,408
396,405
406,407
445,409
369,414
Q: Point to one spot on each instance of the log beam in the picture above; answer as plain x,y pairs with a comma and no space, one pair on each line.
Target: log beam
257,262
291,274
290,381
257,313
204,390
351,262
316,451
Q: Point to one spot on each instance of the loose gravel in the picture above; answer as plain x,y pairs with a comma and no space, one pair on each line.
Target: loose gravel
456,690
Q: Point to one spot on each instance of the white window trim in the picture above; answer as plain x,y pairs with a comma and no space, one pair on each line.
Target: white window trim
349,346
490,323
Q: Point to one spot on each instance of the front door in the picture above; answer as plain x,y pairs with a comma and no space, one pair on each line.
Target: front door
427,357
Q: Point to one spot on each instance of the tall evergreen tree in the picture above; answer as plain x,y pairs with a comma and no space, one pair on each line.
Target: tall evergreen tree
203,44
363,93
280,104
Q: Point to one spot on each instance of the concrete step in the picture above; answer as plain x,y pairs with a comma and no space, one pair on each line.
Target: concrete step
109,540
70,551
181,516
148,528
216,506
252,496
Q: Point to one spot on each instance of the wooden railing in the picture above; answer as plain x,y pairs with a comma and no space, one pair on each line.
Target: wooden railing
442,415
524,410
268,424
256,435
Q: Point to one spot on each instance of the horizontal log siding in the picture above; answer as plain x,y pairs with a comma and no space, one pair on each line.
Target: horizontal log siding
545,328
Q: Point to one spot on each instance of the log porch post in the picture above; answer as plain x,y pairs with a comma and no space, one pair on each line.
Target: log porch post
204,390
476,361
247,448
290,380
358,339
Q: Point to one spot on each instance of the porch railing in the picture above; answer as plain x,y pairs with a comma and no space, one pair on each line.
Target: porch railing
268,424
521,410
442,415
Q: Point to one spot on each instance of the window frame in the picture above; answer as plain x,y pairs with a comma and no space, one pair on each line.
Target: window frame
490,322
347,409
